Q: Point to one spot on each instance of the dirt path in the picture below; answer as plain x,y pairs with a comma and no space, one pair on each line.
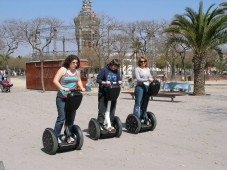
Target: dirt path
190,134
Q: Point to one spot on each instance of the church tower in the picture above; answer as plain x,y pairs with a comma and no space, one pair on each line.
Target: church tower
86,27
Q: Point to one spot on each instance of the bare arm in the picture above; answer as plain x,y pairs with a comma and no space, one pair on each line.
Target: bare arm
57,78
80,84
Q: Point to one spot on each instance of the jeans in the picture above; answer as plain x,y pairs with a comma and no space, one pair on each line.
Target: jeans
60,103
141,101
102,105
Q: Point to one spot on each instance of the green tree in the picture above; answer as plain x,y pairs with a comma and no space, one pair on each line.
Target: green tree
202,33
161,62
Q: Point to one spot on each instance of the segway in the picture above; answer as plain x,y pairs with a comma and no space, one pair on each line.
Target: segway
94,128
133,123
50,139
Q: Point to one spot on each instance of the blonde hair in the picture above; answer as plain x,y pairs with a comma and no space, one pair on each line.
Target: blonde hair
142,58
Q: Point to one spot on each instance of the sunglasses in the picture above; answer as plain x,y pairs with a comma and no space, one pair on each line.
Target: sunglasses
143,61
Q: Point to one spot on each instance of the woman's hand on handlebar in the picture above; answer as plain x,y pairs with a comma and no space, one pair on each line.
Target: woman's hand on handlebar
151,79
66,89
83,89
108,83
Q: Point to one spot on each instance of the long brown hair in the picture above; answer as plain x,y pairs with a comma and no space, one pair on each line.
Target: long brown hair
69,59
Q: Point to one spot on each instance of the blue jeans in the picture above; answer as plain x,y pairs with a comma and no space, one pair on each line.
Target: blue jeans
141,101
60,103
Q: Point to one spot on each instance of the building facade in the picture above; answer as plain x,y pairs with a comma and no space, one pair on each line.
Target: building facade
86,27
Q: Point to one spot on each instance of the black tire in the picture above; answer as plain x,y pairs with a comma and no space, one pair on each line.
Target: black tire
79,136
133,124
118,126
153,119
94,129
50,142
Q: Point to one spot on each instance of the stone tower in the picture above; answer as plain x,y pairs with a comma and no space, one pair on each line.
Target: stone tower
86,27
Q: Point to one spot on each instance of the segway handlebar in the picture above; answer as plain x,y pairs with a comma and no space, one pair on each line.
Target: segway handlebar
113,83
75,90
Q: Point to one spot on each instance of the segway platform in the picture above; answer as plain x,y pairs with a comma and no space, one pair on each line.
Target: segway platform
97,132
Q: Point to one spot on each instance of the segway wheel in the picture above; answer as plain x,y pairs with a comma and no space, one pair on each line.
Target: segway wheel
118,126
94,129
50,142
153,119
79,136
133,124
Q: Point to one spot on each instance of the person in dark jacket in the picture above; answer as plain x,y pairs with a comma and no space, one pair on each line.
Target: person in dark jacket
106,76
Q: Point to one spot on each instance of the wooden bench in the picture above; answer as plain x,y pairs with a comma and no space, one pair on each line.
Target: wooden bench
160,94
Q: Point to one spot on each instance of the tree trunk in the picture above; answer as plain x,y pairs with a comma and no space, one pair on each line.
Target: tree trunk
173,69
7,66
184,71
8,72
42,78
99,62
183,65
199,82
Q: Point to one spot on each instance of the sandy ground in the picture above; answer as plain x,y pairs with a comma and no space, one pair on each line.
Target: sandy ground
190,133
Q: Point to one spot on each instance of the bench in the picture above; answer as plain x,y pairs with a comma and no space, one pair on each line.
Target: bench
160,94
184,86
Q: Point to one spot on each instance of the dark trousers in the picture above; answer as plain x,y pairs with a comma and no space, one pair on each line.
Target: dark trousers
102,105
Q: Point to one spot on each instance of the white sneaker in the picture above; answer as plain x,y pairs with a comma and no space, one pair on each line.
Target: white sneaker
142,120
63,138
59,140
72,139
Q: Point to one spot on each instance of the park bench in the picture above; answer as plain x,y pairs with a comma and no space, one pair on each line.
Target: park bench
170,95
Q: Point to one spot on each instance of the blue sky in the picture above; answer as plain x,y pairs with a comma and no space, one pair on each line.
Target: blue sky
122,10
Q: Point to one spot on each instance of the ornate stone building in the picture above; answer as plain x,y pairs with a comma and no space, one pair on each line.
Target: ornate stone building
86,26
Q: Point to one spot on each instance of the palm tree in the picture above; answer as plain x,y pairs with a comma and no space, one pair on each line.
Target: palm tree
223,4
201,32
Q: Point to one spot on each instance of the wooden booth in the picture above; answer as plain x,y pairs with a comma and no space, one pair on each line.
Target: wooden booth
50,67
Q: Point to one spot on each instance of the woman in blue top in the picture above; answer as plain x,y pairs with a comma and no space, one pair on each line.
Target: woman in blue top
66,79
143,77
106,76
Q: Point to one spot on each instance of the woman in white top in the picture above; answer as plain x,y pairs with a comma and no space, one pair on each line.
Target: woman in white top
143,77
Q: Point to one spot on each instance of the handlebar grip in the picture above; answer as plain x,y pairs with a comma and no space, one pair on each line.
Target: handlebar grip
75,90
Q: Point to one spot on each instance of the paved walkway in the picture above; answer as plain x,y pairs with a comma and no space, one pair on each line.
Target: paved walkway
190,134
